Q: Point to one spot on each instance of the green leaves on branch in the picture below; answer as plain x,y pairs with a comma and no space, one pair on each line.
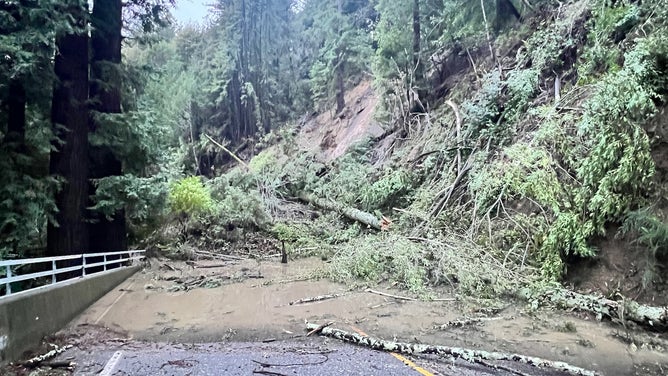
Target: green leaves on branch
189,196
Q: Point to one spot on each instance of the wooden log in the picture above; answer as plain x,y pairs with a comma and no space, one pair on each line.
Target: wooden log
315,299
350,213
234,156
214,266
65,364
466,322
474,356
219,256
316,329
604,308
34,362
390,295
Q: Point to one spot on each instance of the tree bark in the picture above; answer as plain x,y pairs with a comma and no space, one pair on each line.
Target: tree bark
340,69
340,86
105,91
475,356
70,159
350,213
625,310
16,111
418,66
504,10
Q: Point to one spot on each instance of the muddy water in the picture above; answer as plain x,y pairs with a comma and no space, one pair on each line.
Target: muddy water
258,309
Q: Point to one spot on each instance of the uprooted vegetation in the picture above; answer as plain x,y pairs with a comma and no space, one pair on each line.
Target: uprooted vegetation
537,151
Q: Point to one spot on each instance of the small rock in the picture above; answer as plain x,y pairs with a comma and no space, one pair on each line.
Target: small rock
149,287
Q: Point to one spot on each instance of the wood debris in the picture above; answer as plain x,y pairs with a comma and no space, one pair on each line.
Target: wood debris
390,295
604,308
466,322
315,299
36,361
474,356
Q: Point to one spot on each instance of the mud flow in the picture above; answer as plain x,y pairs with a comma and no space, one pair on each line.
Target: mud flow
249,300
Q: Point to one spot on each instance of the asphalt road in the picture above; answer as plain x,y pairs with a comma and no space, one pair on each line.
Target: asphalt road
311,357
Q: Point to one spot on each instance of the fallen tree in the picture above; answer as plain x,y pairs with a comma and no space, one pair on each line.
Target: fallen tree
604,308
315,299
350,213
474,356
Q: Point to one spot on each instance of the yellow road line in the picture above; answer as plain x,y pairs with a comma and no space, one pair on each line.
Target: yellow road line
414,366
407,362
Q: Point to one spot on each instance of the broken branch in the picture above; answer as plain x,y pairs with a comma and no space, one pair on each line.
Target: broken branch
315,299
234,156
390,295
319,328
350,213
475,356
465,322
625,310
34,362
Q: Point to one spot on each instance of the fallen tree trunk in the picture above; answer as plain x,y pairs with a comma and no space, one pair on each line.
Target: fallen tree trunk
36,361
474,356
315,299
624,310
466,322
350,213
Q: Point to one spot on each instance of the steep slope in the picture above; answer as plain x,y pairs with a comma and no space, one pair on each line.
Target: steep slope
329,136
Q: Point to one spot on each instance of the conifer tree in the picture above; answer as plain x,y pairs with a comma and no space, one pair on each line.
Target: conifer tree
69,158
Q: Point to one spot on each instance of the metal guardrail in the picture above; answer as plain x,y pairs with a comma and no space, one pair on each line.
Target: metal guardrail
54,271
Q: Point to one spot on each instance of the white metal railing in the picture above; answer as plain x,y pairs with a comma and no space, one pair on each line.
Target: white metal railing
54,271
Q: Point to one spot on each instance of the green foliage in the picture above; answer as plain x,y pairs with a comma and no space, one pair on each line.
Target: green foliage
189,196
262,161
26,203
142,198
618,167
482,111
522,170
607,26
345,50
374,258
448,259
238,205
391,190
650,230
346,180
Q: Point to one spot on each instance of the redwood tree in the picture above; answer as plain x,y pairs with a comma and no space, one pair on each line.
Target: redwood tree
106,234
69,159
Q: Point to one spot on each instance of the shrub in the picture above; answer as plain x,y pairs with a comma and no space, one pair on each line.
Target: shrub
649,229
190,197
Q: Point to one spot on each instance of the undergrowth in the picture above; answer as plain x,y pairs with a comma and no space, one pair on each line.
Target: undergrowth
513,196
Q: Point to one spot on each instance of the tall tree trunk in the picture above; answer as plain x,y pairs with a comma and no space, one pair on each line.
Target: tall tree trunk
340,86
70,159
16,111
418,65
505,9
105,92
340,69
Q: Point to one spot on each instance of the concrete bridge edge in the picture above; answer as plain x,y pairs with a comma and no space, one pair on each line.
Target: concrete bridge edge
25,318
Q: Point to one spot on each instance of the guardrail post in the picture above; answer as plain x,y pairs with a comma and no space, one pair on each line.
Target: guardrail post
8,290
53,268
105,263
83,265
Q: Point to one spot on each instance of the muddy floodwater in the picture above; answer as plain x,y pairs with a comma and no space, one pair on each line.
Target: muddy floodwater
252,303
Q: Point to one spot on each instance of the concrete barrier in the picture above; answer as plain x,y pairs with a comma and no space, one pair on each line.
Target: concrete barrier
27,317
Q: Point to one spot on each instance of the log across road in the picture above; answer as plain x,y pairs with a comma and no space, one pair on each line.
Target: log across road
308,357
150,325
